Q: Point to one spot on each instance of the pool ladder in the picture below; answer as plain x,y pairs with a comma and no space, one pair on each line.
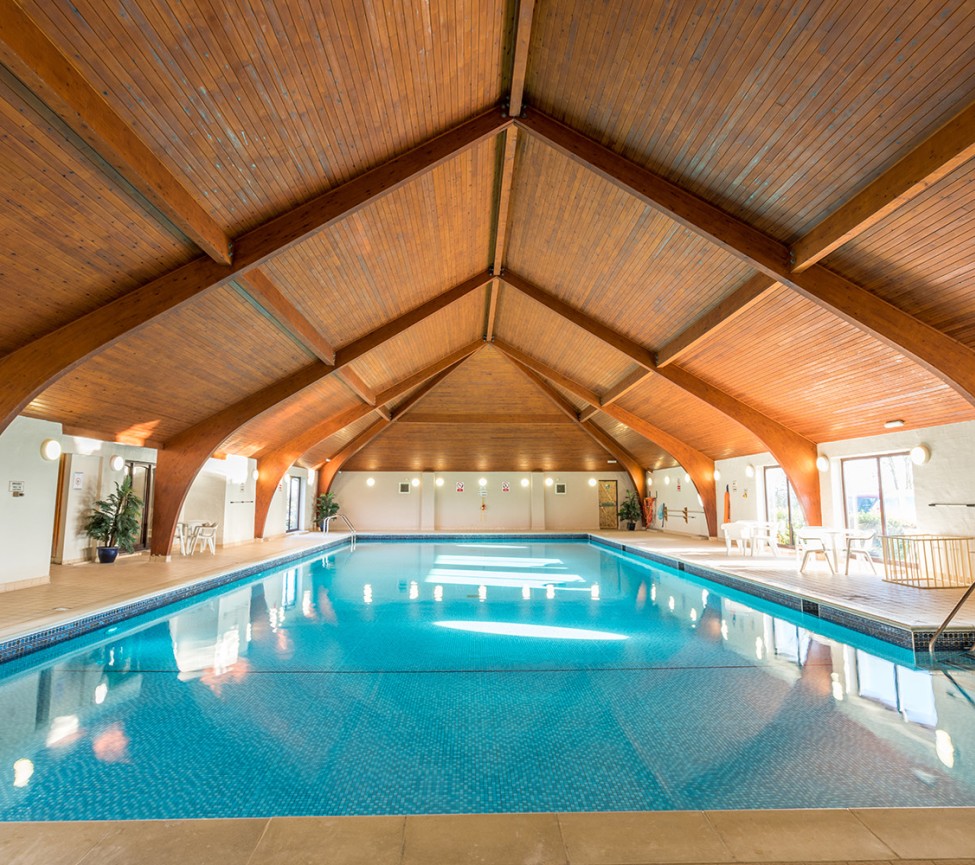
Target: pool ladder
951,615
347,521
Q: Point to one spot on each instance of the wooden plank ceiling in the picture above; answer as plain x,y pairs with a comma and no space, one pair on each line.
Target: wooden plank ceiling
778,114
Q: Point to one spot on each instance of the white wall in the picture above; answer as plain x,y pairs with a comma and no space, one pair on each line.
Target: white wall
382,506
224,493
949,476
747,493
672,490
89,458
27,521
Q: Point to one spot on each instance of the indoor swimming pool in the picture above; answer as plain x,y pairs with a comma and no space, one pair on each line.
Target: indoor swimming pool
476,676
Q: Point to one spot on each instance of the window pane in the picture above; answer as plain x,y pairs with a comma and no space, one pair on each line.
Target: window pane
861,485
897,476
777,501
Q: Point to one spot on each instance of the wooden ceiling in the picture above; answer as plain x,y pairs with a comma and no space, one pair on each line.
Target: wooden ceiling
713,226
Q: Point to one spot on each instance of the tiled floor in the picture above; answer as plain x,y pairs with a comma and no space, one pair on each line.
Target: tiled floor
896,836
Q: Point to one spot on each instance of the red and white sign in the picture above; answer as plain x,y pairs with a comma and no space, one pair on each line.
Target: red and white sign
505,487
460,486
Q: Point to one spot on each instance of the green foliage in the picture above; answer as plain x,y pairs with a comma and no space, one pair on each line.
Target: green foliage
115,522
325,507
630,509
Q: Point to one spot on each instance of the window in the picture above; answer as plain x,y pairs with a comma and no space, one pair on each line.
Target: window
782,506
878,495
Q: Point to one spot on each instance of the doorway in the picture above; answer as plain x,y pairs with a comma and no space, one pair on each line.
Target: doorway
294,504
608,505
142,478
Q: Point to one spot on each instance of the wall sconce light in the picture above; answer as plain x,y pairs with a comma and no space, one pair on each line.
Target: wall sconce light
592,482
749,471
370,482
687,478
822,463
50,449
415,482
920,454
116,463
439,482
549,482
256,474
717,475
667,480
482,482
525,482
649,480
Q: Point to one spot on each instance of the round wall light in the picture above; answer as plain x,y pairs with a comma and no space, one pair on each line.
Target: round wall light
256,474
549,482
687,478
525,482
649,480
482,482
50,449
822,463
370,482
667,480
749,471
415,482
439,482
717,475
116,463
920,454
592,482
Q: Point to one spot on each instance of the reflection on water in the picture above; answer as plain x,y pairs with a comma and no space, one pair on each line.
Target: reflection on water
437,678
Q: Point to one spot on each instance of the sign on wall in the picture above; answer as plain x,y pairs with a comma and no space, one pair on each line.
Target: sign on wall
505,487
460,486
77,480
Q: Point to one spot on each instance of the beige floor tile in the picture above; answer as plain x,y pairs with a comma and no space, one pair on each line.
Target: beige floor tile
632,838
923,833
483,839
331,841
178,842
48,843
798,836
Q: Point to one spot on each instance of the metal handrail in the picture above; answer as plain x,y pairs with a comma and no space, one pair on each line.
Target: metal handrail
951,615
345,519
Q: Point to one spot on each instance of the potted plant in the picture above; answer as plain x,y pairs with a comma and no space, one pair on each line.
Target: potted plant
325,507
114,522
629,511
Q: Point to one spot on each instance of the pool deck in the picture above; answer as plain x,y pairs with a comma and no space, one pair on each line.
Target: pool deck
917,836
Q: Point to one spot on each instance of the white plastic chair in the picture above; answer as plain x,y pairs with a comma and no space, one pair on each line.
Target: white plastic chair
858,546
811,542
205,536
766,534
182,536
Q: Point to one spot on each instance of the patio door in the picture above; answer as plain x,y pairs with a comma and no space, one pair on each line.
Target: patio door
294,504
782,506
608,505
878,495
142,478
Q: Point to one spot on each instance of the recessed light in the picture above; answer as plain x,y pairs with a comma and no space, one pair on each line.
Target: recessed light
612,461
893,424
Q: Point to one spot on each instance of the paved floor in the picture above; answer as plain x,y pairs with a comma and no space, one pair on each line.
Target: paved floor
880,835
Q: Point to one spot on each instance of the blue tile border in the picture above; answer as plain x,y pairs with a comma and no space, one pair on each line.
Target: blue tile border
26,644
901,636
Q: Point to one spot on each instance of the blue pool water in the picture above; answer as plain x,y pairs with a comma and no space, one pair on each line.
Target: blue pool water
473,677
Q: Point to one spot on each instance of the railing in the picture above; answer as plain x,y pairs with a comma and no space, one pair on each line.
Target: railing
345,519
928,561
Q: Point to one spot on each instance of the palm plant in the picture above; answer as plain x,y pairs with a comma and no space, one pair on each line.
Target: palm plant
325,507
630,510
114,521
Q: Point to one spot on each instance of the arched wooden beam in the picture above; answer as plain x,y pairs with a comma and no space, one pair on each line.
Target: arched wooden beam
30,369
179,463
932,349
27,52
273,463
697,464
794,452
632,465
331,467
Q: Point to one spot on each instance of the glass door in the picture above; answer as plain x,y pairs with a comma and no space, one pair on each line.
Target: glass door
782,506
878,495
141,474
294,504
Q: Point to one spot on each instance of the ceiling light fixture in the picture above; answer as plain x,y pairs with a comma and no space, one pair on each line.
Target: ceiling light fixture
893,424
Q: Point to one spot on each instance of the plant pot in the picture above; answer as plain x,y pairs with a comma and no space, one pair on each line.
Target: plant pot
631,527
107,555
